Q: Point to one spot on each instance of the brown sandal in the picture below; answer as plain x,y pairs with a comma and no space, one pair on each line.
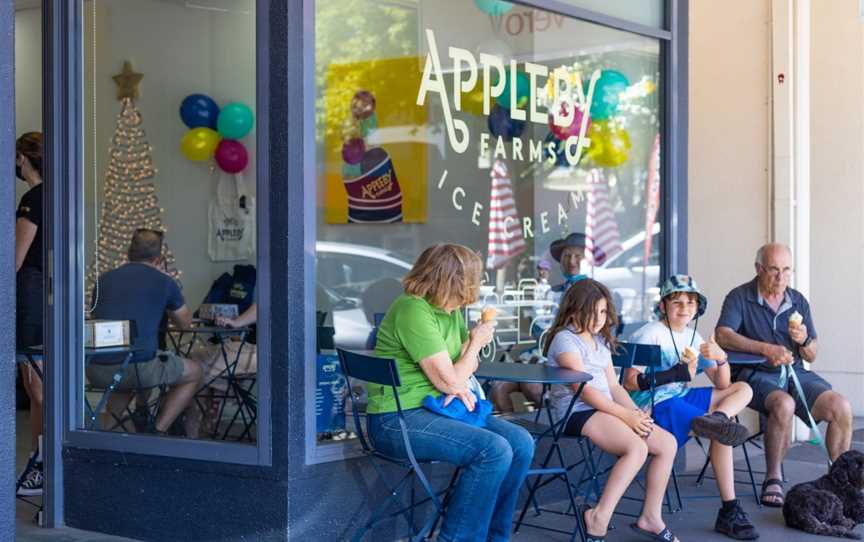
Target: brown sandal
773,503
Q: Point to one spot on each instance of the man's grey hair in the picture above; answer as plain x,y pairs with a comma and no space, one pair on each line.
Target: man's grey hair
760,254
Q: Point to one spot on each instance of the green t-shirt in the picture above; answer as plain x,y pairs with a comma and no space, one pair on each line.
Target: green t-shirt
413,330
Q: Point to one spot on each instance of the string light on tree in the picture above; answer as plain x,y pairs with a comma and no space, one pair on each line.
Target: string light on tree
129,200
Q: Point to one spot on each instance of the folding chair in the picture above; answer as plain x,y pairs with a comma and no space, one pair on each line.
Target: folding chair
384,373
625,357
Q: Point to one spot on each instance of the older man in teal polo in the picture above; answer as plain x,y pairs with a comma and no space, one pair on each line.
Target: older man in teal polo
768,318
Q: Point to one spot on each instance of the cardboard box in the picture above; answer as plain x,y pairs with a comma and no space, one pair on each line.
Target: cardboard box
101,333
211,311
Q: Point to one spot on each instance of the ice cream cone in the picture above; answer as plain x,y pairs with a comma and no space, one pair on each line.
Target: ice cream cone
488,314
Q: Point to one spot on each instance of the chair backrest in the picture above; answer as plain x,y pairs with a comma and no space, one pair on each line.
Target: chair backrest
370,369
629,354
626,355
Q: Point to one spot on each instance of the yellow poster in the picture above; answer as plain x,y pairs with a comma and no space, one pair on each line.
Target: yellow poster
375,143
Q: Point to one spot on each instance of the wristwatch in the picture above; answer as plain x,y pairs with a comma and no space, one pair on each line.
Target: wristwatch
807,341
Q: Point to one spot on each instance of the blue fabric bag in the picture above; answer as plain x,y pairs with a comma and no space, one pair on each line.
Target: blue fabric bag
458,411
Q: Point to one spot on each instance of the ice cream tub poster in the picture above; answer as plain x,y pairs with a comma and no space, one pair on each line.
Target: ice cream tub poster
375,165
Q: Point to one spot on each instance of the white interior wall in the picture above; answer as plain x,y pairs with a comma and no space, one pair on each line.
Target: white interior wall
837,193
28,75
180,51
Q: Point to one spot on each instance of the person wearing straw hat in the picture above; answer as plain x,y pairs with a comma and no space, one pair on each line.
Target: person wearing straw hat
569,253
768,318
679,408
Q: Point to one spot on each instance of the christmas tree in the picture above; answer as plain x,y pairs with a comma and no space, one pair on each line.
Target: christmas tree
129,200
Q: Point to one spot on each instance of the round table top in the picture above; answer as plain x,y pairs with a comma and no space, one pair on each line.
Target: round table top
531,373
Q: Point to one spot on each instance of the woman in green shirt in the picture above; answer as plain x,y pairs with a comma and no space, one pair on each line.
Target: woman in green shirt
436,354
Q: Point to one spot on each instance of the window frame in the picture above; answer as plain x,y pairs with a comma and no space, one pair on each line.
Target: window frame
672,40
65,257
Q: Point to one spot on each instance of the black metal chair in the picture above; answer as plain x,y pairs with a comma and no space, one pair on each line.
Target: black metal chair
384,373
647,355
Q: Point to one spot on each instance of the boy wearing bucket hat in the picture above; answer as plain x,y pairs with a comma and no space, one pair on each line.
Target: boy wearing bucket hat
678,408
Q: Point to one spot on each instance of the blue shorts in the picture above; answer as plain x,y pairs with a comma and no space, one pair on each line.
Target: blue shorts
675,414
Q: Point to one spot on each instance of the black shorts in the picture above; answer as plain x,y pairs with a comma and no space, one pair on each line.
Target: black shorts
577,421
764,382
29,288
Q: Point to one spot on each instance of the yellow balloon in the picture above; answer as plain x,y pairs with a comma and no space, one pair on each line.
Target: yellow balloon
472,102
610,144
199,144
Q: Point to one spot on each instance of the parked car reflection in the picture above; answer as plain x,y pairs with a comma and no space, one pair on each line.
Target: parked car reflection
356,282
623,275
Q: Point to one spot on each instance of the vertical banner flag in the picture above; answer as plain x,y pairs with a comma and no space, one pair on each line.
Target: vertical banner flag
505,228
601,229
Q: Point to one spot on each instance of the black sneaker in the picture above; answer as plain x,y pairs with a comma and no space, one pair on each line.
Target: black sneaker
735,523
717,426
32,481
141,419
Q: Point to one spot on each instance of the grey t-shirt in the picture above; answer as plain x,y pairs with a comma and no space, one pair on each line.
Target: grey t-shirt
595,362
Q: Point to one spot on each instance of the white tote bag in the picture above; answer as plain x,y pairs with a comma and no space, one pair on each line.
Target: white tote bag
232,220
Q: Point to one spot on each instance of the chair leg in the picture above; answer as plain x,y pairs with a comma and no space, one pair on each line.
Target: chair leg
750,473
677,491
701,478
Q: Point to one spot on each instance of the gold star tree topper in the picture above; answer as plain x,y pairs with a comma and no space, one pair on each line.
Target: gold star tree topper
127,82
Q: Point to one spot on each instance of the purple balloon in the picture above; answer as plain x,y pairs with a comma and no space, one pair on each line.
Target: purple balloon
353,151
231,156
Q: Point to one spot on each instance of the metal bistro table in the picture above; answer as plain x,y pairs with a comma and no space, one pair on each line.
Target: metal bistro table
547,376
238,388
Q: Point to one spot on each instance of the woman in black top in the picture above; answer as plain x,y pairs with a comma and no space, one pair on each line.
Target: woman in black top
29,284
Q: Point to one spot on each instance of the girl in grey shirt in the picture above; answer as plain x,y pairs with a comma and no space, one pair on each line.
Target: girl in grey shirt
580,339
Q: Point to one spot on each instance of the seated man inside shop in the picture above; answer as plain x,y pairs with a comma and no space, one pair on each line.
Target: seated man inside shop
142,292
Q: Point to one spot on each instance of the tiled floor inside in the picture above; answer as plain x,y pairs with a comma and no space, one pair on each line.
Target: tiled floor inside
695,522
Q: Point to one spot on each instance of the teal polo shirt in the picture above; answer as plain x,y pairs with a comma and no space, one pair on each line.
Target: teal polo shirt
748,314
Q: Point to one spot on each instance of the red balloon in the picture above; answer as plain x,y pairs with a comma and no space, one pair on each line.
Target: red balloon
571,114
231,156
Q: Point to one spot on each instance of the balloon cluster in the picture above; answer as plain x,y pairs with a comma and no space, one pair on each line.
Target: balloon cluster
362,121
610,142
214,132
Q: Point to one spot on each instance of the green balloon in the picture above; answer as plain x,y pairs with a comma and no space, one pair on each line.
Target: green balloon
606,94
523,90
235,120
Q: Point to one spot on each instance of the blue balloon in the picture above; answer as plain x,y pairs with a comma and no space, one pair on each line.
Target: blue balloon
501,125
199,111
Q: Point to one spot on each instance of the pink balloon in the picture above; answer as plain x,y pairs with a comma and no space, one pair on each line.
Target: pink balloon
572,114
231,156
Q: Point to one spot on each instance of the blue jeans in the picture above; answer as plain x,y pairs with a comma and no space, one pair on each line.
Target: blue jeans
494,462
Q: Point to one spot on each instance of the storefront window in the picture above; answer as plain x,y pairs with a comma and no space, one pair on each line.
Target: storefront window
438,122
646,12
169,172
